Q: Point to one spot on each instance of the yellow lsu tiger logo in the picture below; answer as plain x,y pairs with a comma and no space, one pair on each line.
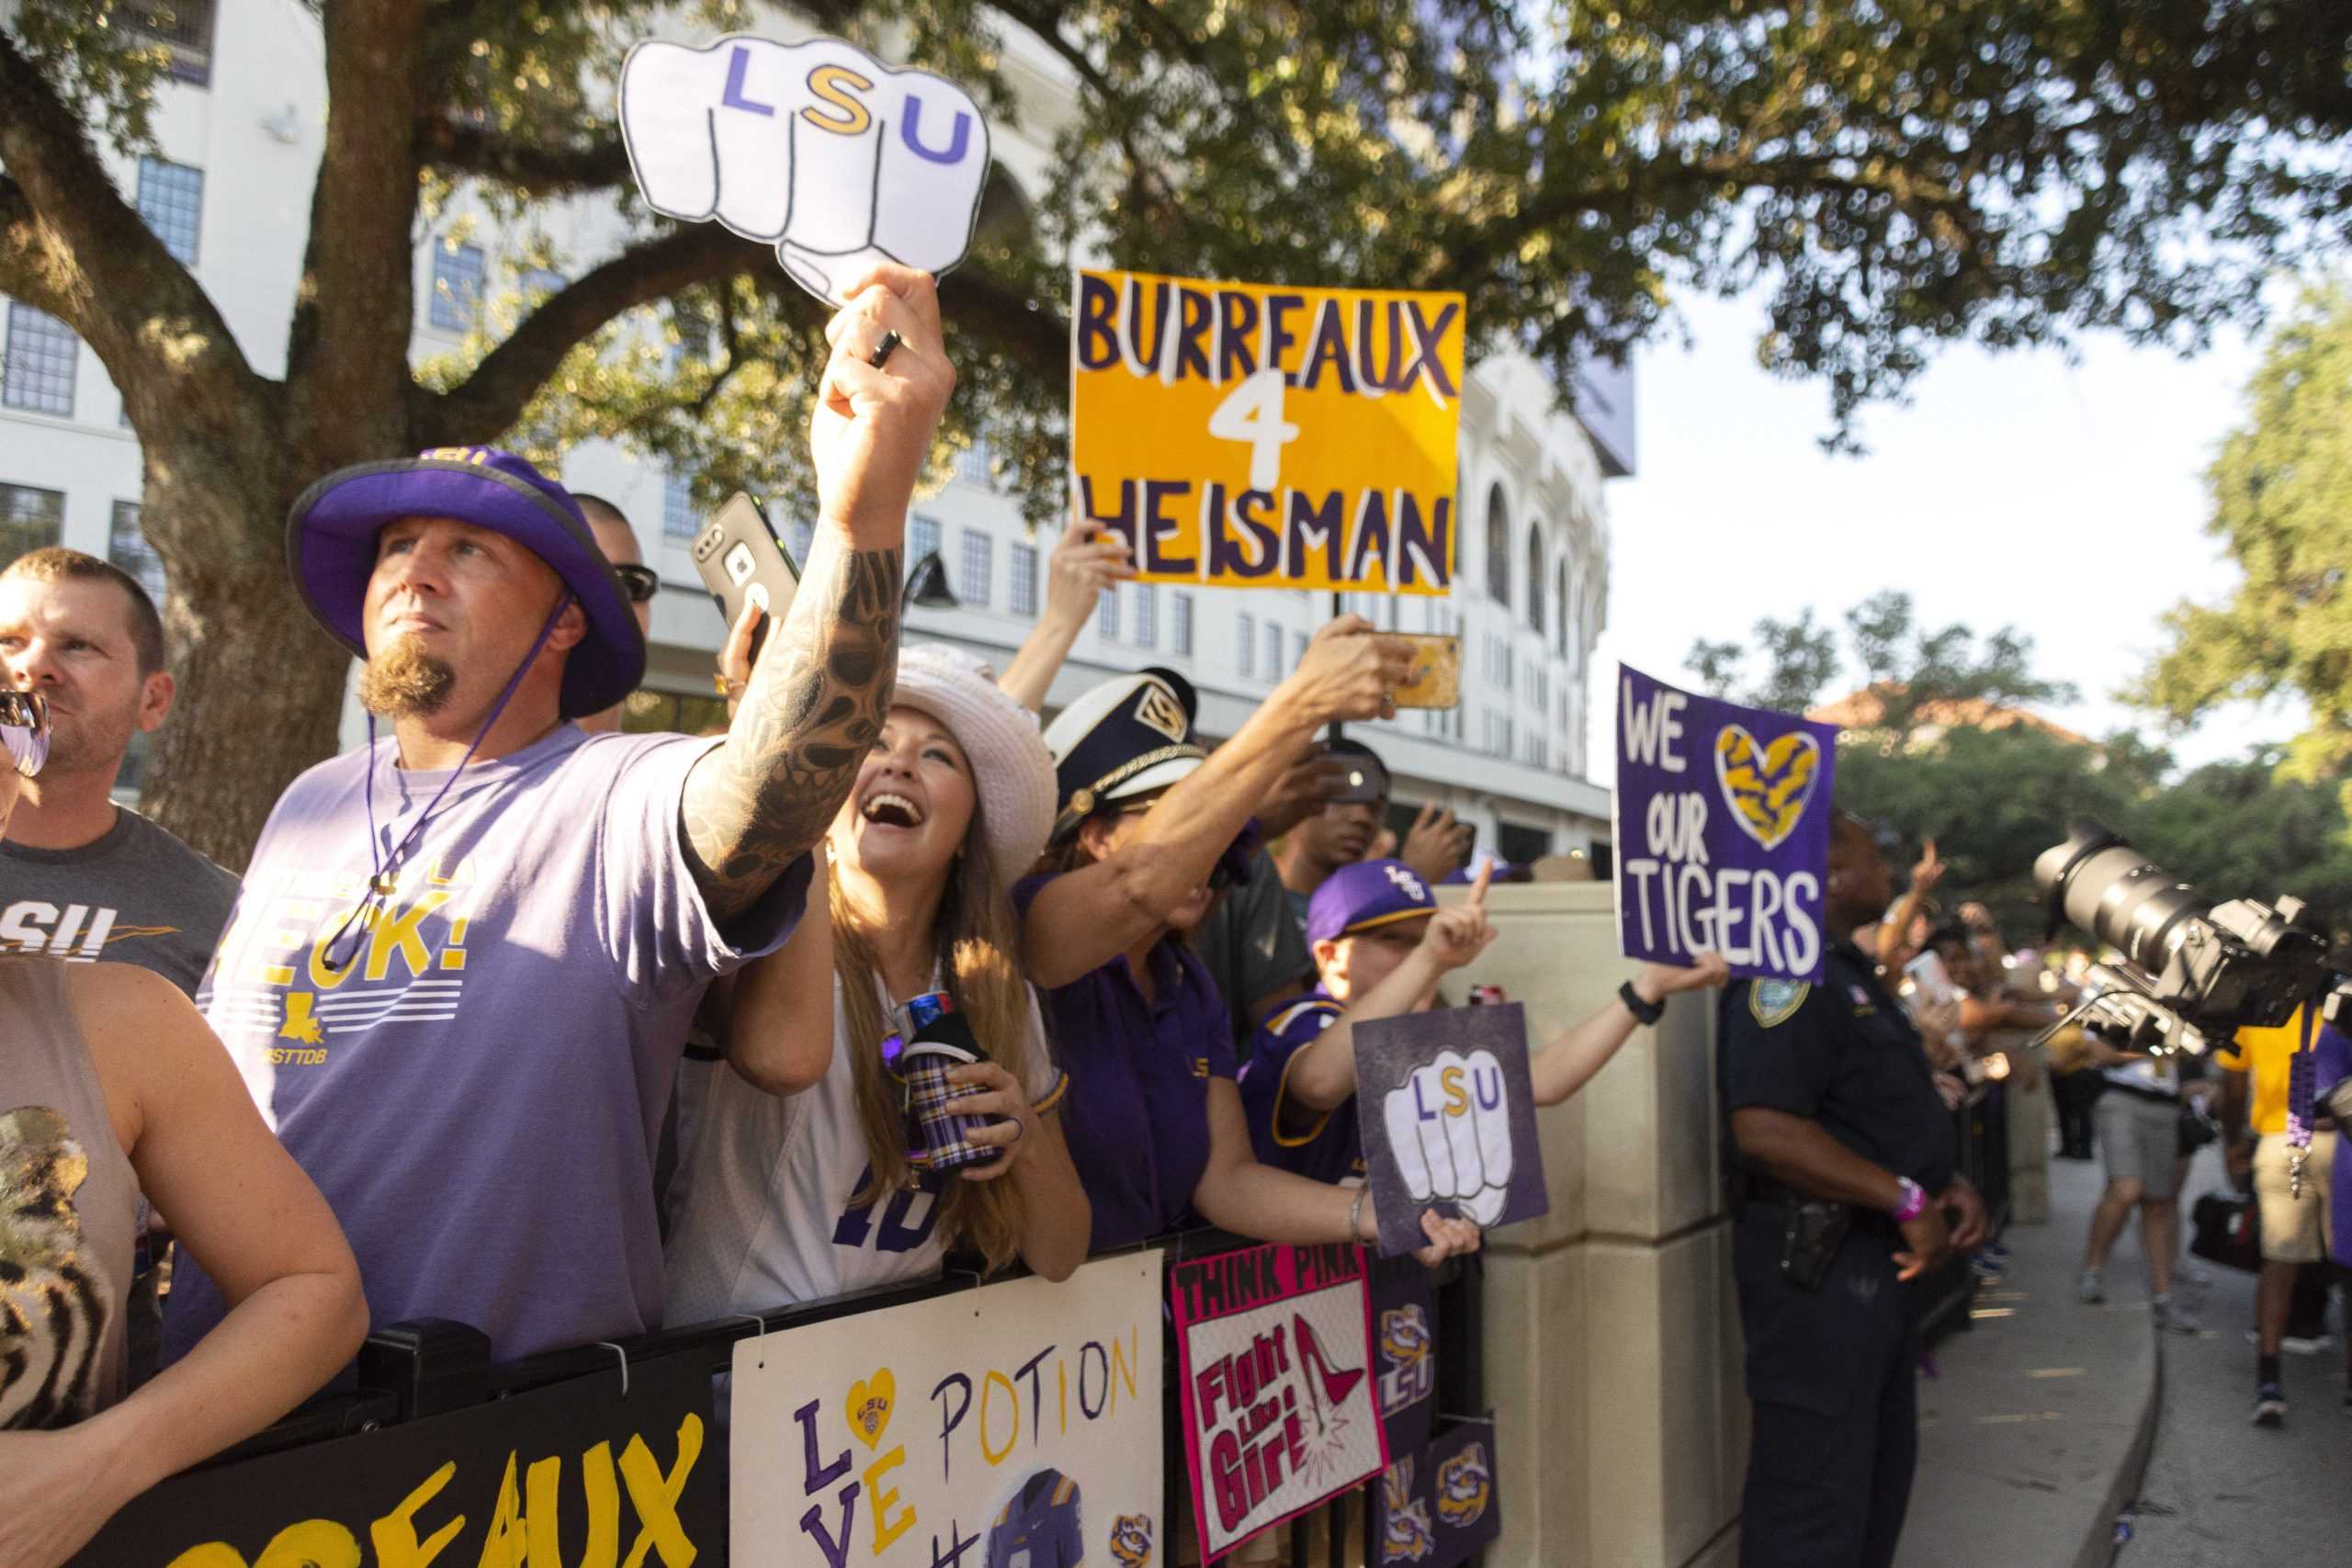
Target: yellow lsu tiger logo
1464,1486
1406,1535
1131,1540
1407,1371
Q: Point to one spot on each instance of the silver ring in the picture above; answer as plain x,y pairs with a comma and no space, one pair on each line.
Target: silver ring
883,350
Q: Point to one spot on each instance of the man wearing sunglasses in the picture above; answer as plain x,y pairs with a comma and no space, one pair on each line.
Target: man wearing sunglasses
465,958
639,581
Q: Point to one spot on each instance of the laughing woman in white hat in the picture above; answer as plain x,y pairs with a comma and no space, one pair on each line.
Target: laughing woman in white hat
798,1197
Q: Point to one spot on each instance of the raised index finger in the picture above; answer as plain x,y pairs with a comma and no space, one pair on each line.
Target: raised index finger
1478,885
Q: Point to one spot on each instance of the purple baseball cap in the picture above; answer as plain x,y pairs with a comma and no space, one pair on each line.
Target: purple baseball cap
331,547
1368,894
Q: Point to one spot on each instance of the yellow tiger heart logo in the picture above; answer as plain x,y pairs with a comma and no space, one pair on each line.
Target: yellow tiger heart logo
869,1406
1767,786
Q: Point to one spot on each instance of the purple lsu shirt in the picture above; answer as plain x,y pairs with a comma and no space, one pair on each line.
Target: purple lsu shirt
480,1092
1332,1148
1137,1112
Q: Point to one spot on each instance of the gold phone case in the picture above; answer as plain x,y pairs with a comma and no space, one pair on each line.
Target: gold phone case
1436,680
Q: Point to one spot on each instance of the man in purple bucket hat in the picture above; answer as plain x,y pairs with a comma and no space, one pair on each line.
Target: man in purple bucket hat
461,968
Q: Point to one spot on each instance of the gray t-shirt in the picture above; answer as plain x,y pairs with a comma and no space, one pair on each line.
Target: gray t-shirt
479,1093
134,895
1252,945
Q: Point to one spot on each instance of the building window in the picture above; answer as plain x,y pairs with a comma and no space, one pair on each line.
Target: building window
456,286
1146,595
1180,625
1106,613
678,520
972,465
1535,577
171,199
972,584
29,520
539,284
1023,588
37,367
1561,596
1274,651
922,539
182,27
1497,547
1245,646
129,548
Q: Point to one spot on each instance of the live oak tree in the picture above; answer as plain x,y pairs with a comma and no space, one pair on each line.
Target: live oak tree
2282,494
1892,177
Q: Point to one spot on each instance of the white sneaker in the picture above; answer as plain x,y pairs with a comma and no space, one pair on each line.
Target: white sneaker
2089,1289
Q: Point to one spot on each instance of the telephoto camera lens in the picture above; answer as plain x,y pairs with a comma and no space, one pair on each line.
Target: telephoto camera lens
2099,883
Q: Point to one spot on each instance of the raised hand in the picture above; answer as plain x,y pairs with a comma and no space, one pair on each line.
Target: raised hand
1350,671
1656,982
1306,788
1086,561
1460,932
1435,844
1927,871
871,429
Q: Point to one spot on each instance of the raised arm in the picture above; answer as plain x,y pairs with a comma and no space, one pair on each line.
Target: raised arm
1079,920
248,1214
780,1027
1086,561
821,687
1568,1062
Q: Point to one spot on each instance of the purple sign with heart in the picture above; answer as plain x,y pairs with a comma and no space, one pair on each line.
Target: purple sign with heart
1723,831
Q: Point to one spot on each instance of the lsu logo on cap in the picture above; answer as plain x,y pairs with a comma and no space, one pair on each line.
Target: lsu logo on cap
1157,709
1408,882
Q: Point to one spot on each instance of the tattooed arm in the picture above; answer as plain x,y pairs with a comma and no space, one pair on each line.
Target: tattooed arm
821,687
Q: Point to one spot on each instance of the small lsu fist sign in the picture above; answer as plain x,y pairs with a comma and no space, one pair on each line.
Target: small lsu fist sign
1252,436
1281,1409
576,1473
1723,831
817,148
1017,1426
1447,1114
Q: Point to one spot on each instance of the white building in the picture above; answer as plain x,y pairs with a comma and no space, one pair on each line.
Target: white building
240,130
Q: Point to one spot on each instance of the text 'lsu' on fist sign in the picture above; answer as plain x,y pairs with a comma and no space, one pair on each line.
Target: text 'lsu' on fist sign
1449,1127
837,159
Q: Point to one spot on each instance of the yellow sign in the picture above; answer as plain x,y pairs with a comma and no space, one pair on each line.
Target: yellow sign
1250,437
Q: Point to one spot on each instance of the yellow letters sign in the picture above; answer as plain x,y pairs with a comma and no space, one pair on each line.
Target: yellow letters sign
1252,436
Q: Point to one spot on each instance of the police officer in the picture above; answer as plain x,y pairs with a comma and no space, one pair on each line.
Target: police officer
1846,1155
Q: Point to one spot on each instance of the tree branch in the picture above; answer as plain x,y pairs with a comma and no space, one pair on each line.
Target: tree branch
502,386
355,310
70,246
457,148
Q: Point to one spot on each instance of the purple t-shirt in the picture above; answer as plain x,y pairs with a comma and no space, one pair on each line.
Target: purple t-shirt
1137,1113
479,1094
1332,1149
2332,1063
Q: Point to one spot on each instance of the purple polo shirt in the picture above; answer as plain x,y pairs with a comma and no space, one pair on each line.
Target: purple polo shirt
1332,1149
2332,1062
1138,1113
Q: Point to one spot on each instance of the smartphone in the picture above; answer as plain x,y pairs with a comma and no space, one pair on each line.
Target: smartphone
742,562
1436,680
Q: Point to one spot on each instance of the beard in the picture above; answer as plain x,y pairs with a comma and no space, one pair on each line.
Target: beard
84,741
405,681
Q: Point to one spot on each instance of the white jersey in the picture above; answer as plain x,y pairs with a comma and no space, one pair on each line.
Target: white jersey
759,1211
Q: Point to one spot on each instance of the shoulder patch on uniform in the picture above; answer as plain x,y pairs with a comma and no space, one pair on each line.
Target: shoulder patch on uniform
1771,1002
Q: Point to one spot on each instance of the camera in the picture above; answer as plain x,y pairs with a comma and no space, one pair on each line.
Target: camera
2211,968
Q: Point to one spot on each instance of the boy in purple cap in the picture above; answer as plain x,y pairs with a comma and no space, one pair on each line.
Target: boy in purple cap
1382,945
460,972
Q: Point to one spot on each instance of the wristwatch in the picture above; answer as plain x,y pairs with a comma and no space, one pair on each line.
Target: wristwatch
1645,1013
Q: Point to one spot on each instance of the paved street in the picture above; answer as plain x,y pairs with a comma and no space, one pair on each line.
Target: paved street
2220,1492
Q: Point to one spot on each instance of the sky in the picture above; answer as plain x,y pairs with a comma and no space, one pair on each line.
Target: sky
2065,499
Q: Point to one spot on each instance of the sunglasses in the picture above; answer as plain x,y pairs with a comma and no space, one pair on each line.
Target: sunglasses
24,728
640,583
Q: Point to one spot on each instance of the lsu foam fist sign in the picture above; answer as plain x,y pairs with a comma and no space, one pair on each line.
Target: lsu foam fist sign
817,147
1723,831
1253,437
1447,1114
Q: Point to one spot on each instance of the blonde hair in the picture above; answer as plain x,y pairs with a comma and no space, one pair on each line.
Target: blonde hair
976,934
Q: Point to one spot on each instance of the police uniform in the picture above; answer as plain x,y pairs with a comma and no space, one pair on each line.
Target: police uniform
1830,1370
